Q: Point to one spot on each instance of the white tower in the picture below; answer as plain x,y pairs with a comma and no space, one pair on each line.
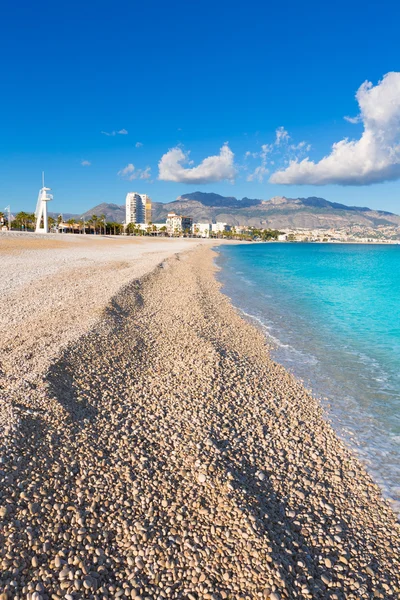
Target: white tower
135,208
41,208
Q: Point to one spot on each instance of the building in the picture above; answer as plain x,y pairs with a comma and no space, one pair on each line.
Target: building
177,224
138,208
155,228
147,209
220,227
202,229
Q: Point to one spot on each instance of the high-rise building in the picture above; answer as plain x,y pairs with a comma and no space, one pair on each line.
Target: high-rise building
138,208
148,210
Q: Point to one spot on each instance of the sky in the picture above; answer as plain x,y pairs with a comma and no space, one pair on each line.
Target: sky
250,99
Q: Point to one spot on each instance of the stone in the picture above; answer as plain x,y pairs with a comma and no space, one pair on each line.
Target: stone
139,562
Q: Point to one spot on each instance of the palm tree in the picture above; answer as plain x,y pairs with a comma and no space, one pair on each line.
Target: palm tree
22,219
131,229
71,223
59,221
32,220
81,224
94,220
51,221
113,226
102,220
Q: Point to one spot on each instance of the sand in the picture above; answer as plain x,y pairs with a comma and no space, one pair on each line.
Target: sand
159,452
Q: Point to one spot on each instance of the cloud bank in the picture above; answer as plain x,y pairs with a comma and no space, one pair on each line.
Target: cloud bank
171,167
374,158
129,173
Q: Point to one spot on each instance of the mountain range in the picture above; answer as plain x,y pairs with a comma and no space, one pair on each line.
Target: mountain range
277,213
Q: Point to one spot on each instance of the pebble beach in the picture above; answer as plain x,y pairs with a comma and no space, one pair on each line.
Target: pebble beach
150,448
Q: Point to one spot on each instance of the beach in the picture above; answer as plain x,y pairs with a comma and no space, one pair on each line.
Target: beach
151,448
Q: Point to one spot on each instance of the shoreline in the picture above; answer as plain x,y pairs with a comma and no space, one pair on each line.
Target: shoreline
164,454
351,418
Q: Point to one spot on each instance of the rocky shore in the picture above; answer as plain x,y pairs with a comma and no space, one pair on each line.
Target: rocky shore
163,454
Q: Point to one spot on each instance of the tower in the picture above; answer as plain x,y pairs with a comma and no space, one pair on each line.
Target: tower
135,208
41,209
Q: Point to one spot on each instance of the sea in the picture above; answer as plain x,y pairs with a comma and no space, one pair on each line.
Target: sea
332,315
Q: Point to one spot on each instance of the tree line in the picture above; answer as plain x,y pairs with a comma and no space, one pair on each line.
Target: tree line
97,224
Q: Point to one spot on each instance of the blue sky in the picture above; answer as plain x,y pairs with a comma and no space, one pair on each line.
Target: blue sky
192,78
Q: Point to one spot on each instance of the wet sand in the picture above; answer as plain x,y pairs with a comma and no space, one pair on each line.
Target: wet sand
161,453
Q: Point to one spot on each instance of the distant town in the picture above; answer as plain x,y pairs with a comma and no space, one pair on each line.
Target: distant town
138,222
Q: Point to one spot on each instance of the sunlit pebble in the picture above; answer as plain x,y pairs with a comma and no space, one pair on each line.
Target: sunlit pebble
116,494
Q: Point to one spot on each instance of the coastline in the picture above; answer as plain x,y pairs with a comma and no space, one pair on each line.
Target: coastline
164,454
356,383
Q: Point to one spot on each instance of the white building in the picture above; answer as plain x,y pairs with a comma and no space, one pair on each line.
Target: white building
220,227
177,224
202,229
138,208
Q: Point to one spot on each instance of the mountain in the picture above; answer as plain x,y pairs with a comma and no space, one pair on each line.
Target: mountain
65,215
277,213
215,200
113,212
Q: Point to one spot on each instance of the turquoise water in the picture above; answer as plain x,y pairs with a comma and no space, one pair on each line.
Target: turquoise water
333,314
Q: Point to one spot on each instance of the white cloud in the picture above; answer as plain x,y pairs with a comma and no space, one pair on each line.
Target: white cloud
261,171
279,148
146,174
249,154
114,133
258,174
171,167
130,173
353,120
281,136
86,163
138,144
374,158
127,171
300,146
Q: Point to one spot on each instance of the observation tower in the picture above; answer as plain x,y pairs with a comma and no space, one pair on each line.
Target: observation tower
42,225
